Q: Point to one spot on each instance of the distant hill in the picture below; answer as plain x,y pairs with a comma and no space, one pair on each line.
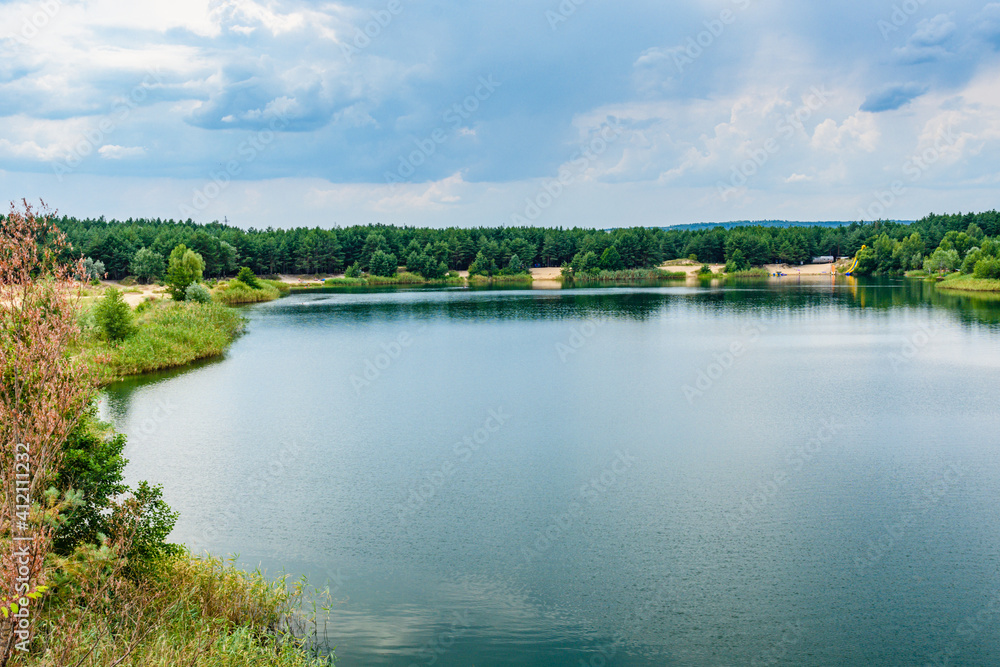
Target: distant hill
764,223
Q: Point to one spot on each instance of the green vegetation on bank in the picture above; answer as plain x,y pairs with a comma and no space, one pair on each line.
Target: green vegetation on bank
968,283
90,579
622,275
165,334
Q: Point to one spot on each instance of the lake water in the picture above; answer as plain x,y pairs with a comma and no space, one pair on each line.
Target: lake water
772,473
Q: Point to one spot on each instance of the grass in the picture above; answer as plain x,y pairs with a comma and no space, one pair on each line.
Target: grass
185,611
916,273
628,275
401,278
968,283
756,272
517,278
168,334
236,292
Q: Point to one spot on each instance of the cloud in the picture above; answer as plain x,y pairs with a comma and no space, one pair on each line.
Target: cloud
987,24
113,152
928,42
893,97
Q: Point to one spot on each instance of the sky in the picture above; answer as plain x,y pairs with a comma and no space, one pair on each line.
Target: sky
441,113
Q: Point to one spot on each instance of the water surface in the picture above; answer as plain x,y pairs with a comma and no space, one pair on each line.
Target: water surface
770,473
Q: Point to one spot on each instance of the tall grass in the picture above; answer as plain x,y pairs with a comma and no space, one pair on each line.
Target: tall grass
185,611
968,283
517,278
236,292
168,334
628,275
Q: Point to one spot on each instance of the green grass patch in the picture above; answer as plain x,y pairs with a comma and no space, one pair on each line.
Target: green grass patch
515,279
628,275
236,292
168,334
187,611
916,273
756,272
968,283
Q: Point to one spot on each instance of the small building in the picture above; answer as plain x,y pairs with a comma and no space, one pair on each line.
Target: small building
823,259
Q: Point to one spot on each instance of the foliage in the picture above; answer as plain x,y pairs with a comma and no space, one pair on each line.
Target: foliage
705,270
92,269
382,264
185,267
147,265
482,266
987,268
737,262
113,316
247,277
354,270
197,293
942,261
168,334
611,260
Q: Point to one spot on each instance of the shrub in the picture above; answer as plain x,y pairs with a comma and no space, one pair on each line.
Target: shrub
988,268
113,316
354,270
198,293
705,270
247,277
942,260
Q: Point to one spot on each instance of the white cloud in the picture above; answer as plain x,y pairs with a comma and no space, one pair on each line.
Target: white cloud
113,152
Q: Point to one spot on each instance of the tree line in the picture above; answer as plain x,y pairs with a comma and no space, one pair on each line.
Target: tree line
117,245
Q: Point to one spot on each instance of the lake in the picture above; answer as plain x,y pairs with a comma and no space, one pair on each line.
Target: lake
773,473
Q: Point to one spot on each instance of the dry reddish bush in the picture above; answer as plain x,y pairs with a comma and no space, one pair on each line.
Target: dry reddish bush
42,393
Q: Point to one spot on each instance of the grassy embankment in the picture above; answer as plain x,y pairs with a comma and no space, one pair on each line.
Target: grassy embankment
235,292
756,272
401,278
167,334
969,283
628,275
186,611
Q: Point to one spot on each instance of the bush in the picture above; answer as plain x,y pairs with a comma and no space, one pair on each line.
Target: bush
705,270
198,293
354,270
113,316
942,261
987,268
247,277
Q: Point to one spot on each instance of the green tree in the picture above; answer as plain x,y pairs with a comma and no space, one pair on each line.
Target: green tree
113,316
611,260
383,264
988,267
247,277
147,265
942,261
185,267
93,269
584,262
482,266
354,270
737,262
515,266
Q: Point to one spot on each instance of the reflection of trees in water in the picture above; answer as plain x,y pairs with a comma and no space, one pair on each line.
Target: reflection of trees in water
788,297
